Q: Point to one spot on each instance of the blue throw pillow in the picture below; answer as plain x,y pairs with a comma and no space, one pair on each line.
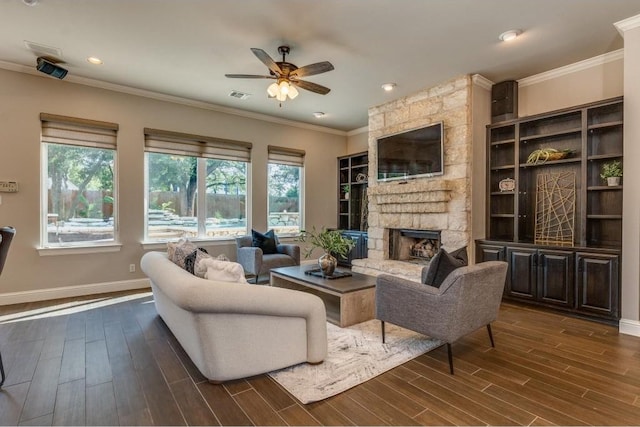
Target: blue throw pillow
267,241
442,264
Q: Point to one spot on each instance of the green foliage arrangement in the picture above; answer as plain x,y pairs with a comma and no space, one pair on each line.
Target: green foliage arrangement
610,170
346,188
331,241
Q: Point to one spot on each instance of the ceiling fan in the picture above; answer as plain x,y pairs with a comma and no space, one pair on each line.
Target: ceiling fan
287,75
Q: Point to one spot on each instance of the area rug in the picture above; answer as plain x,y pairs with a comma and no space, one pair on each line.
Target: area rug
355,355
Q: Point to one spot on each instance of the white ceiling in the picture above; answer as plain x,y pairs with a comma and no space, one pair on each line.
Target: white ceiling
184,48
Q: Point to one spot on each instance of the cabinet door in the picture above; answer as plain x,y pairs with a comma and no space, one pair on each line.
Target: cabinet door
486,252
598,284
522,273
556,277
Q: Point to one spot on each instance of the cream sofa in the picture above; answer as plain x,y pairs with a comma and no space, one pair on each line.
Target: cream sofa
232,330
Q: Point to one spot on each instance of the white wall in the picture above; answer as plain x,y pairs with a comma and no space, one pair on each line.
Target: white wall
26,96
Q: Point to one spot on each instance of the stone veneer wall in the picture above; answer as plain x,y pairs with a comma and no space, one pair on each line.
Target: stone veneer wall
436,203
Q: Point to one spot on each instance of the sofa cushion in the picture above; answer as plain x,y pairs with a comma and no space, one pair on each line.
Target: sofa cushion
223,271
442,264
267,241
193,259
200,268
177,252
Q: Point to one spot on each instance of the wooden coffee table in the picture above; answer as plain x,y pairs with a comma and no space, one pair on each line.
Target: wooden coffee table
348,300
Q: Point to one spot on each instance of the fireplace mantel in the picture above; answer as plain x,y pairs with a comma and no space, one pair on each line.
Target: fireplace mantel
412,196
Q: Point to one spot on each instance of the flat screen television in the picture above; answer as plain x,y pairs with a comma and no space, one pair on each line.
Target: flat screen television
410,154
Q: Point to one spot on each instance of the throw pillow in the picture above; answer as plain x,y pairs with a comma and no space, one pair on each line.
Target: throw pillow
193,259
442,264
200,268
266,242
223,271
178,251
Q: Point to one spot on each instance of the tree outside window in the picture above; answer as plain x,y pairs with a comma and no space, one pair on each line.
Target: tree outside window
173,209
285,196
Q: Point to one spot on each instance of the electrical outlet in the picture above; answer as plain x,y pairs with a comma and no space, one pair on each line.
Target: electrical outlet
132,268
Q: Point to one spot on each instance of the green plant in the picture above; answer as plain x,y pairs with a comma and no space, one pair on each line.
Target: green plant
346,188
331,241
610,170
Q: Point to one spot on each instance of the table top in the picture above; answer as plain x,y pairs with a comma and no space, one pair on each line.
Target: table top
355,282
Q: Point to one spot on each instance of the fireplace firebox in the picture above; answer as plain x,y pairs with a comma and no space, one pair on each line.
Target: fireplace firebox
417,246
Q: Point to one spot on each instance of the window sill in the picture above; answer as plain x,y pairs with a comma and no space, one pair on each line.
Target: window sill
154,245
78,250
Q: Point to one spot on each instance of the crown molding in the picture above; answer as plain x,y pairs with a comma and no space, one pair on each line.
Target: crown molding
172,99
482,81
627,24
572,68
353,132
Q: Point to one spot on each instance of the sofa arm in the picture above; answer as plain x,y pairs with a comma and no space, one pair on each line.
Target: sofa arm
250,258
292,250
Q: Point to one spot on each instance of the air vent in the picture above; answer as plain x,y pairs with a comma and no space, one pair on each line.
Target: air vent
239,95
53,54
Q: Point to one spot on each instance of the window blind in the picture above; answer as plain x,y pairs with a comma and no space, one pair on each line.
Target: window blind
80,132
285,156
183,144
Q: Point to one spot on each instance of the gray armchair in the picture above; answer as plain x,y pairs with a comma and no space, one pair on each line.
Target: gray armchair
256,263
468,299
6,236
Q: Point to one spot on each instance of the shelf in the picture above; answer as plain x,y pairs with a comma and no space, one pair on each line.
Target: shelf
605,125
551,162
604,156
505,167
505,141
605,188
503,193
524,139
604,216
502,216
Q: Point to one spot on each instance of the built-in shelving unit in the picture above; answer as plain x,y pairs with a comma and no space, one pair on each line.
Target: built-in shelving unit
593,134
353,172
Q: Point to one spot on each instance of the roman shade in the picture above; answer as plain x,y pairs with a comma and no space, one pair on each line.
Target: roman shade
81,132
184,144
285,156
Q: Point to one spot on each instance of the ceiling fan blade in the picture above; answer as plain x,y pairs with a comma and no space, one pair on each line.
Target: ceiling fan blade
313,87
247,76
266,60
310,70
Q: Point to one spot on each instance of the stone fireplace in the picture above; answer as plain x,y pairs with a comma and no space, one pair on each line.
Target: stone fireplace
440,203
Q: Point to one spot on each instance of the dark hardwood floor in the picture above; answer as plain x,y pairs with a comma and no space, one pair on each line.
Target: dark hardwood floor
109,359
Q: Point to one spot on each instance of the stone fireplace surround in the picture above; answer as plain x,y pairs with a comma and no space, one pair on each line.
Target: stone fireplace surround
439,203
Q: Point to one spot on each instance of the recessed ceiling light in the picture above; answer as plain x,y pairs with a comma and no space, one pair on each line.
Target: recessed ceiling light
509,35
30,2
388,87
318,114
95,61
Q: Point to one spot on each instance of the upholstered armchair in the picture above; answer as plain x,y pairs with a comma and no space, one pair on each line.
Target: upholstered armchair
468,299
255,262
6,236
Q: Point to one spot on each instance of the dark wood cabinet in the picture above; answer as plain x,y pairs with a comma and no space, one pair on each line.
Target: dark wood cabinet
578,280
353,173
597,290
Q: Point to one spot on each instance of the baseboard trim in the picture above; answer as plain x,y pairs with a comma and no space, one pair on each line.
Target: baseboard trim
72,291
629,327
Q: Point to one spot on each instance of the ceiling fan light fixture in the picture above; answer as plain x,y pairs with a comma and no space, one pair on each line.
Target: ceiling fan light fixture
272,90
293,92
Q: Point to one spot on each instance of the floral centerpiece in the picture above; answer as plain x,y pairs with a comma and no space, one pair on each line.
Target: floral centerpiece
332,242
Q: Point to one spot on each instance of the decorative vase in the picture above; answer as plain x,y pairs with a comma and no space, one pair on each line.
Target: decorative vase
346,196
327,264
613,181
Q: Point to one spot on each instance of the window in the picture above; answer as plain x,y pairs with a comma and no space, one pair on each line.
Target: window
78,181
285,188
196,186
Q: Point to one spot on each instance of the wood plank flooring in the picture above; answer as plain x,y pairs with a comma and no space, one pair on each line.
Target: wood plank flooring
110,360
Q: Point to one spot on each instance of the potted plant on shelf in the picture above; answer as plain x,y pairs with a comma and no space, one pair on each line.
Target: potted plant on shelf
346,188
612,172
332,242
